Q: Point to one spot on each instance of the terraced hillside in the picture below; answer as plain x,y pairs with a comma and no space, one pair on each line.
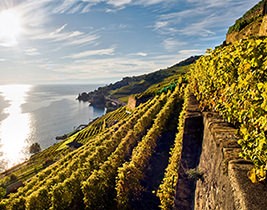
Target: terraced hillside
13,178
96,175
129,159
232,81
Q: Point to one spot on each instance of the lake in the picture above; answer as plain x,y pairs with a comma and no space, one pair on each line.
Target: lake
39,113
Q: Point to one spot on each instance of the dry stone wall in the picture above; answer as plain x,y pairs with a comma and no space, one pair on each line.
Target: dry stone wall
214,154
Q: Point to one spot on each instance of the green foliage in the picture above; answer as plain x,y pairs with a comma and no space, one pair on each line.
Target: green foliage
194,174
139,84
59,185
166,191
16,204
99,188
167,84
233,81
2,192
128,184
38,200
13,178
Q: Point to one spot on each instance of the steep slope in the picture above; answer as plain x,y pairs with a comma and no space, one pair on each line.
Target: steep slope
124,161
86,177
232,80
252,23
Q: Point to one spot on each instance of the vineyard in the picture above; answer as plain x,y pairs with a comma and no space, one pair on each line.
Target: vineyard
232,81
111,169
41,160
128,159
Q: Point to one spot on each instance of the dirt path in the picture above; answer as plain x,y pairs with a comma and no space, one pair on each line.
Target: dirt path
192,145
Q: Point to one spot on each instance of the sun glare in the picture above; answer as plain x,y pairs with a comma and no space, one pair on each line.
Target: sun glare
15,128
10,27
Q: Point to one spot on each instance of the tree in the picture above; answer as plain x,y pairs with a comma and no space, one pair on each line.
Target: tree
35,148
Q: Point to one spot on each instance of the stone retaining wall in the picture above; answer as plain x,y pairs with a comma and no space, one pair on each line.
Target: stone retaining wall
225,184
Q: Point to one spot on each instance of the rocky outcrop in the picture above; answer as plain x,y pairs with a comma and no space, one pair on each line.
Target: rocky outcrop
263,27
83,97
98,101
250,24
252,29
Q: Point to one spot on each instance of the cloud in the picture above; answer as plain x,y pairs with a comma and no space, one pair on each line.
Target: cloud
191,52
212,3
152,2
83,6
161,24
64,6
88,53
118,3
172,44
203,18
31,52
84,40
68,38
57,31
203,28
118,67
106,68
141,54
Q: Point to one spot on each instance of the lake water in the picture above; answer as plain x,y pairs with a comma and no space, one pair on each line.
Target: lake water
30,114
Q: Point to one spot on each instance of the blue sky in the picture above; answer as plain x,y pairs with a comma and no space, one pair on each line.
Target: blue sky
101,41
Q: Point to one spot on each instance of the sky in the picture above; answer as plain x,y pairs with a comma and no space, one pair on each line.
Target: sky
102,41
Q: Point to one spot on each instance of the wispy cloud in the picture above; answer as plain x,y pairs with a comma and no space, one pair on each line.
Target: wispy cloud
64,6
161,24
172,44
191,52
88,53
83,6
214,3
201,19
36,15
152,2
171,31
32,52
115,68
143,54
119,3
57,31
69,37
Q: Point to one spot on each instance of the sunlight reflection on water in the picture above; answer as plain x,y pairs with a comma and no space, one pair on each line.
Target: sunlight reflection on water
14,130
